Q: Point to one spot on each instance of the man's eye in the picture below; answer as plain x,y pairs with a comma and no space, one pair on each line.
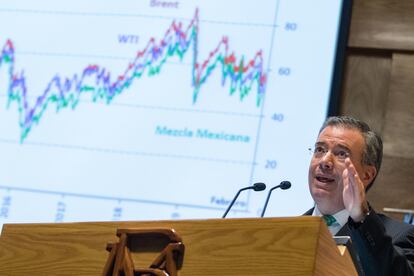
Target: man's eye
343,154
319,150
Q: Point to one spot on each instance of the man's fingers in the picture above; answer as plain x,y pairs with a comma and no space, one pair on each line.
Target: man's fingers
350,166
353,175
346,180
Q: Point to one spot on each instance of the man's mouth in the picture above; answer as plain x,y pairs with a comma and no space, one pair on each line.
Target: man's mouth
325,179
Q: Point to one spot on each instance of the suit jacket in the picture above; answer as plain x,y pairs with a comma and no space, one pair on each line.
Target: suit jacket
385,246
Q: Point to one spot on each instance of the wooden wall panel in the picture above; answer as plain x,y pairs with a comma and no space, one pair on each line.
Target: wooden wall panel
399,121
382,24
365,89
374,86
394,186
378,88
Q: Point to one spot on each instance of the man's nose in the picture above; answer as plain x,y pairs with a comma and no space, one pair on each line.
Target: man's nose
326,162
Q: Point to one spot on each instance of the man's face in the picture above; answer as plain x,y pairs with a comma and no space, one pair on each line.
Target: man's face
333,146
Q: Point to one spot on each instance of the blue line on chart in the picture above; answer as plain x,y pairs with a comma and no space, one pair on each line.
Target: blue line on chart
167,108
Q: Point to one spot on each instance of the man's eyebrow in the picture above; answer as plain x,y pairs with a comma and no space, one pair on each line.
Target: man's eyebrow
319,143
343,147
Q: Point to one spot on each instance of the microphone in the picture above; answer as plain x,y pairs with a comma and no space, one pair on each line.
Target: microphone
284,185
256,187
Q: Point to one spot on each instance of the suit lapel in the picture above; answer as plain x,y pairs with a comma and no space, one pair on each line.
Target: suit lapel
309,212
344,231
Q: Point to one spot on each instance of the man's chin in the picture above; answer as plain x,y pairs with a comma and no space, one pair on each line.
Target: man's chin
326,199
323,191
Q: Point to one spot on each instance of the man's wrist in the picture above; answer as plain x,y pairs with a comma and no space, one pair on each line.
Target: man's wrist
365,210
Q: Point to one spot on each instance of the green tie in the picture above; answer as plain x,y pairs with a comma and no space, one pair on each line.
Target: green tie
329,220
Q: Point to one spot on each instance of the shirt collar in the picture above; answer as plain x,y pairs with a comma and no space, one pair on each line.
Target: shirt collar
341,217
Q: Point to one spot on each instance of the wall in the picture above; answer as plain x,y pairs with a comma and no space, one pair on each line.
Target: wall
378,88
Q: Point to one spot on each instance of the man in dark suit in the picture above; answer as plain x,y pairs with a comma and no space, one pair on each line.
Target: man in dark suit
346,160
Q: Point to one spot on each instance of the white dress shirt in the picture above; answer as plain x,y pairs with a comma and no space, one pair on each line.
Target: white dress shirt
341,219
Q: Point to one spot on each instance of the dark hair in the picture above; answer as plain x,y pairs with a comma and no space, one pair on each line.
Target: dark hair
372,154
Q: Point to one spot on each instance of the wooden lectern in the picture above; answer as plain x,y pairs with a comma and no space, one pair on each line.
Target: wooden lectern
265,246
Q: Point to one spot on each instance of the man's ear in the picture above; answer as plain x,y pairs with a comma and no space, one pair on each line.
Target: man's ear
369,174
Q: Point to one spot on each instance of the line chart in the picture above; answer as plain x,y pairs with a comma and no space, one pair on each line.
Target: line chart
65,92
